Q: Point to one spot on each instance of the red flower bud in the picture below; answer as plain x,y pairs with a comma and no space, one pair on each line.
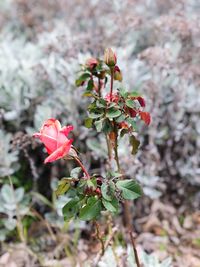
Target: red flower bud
91,63
110,57
117,74
98,191
99,181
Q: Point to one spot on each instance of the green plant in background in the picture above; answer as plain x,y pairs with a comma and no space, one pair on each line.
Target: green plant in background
115,114
15,206
8,158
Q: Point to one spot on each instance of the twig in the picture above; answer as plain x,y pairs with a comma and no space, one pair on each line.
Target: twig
99,237
45,222
111,82
108,149
127,219
82,167
99,255
134,249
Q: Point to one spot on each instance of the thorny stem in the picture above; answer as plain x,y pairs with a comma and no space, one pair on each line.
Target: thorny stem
116,147
110,237
99,237
108,148
111,81
134,249
19,223
127,214
82,167
99,87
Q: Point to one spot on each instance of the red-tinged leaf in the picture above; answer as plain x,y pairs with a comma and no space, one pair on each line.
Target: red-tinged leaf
132,112
141,101
146,117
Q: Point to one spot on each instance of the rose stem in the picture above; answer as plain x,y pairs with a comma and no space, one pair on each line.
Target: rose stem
82,167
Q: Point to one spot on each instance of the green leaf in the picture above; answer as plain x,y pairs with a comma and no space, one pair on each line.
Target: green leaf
92,183
113,174
88,122
63,186
130,189
99,124
123,92
88,94
123,132
134,143
130,103
19,194
113,113
71,208
93,115
75,172
112,205
107,126
91,210
134,94
90,85
132,123
112,104
101,103
121,118
7,194
82,78
108,190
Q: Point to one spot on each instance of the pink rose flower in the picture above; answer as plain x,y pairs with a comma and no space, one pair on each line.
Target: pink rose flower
54,138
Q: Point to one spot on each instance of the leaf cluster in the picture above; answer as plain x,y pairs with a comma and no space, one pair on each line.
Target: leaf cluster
89,197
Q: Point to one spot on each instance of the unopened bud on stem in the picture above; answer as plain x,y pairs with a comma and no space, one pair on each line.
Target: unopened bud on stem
117,74
110,57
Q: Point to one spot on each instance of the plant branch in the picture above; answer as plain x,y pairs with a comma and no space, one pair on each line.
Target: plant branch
109,149
99,255
111,82
82,167
99,237
126,205
99,87
116,147
134,249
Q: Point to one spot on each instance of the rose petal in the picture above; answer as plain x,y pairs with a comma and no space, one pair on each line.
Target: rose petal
67,129
60,152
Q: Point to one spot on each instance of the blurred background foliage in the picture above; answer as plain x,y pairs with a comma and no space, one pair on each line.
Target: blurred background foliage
42,44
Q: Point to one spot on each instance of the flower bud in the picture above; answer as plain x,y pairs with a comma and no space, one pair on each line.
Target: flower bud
91,63
110,57
117,74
